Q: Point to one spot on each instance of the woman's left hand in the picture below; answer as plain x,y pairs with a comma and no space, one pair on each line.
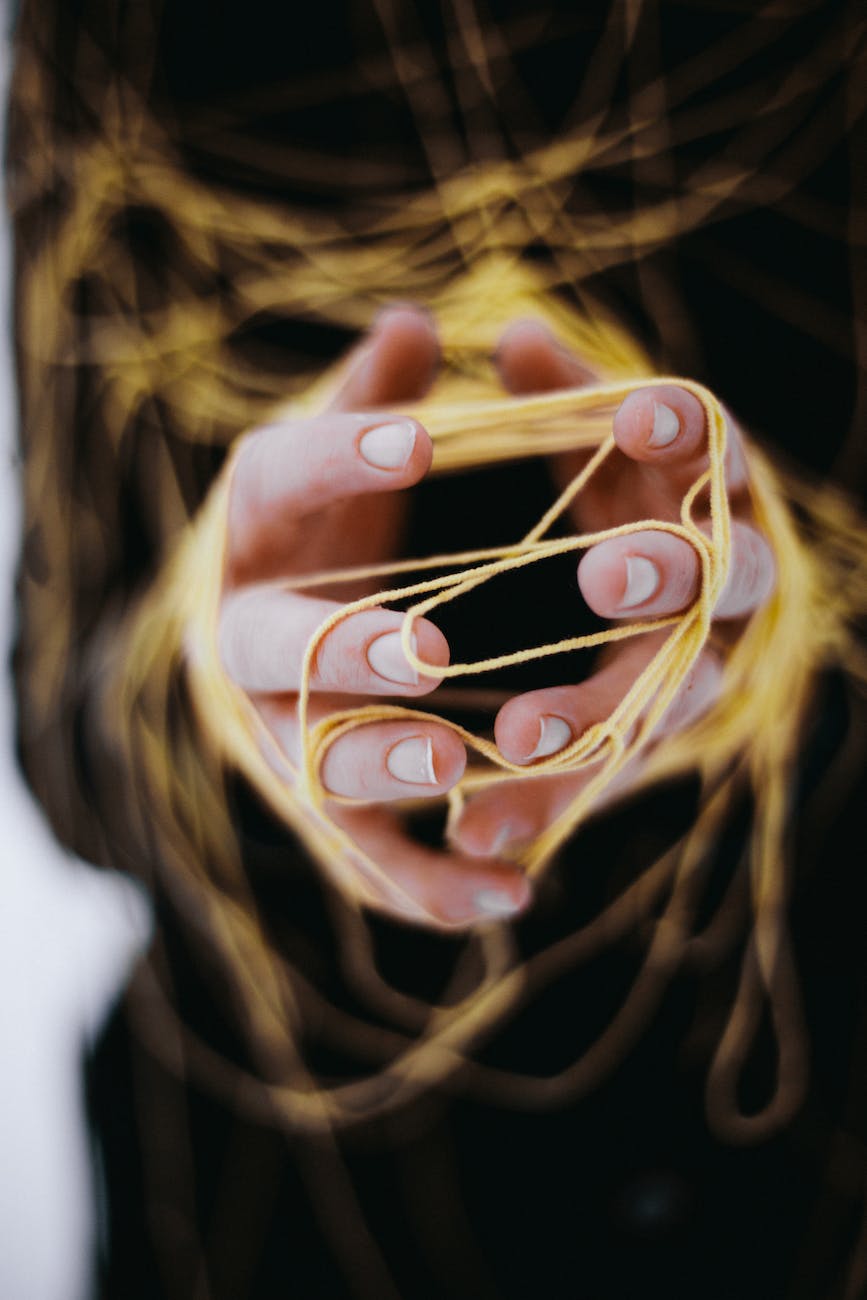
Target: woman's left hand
661,448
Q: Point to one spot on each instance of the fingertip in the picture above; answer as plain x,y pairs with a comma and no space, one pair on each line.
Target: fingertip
395,362
522,333
405,355
649,572
404,315
434,758
530,358
432,649
614,581
494,829
752,574
661,422
397,446
699,692
503,901
516,730
499,894
422,457
448,757
529,727
602,579
387,761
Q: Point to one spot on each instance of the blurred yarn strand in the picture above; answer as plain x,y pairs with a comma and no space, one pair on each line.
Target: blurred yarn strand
159,349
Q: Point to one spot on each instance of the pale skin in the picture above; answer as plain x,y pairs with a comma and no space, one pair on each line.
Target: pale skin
321,493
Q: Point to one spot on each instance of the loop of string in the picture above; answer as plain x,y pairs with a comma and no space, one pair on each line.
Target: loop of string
611,743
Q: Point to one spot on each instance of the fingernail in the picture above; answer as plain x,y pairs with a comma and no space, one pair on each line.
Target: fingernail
388,446
496,903
554,734
509,842
666,425
642,580
411,760
386,658
501,839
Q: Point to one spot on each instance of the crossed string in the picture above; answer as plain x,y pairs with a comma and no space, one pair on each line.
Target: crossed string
611,743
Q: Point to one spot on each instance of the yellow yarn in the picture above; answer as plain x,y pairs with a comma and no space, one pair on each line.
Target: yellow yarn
752,730
459,248
472,433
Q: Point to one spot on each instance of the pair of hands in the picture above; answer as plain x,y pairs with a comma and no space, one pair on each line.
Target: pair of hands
326,492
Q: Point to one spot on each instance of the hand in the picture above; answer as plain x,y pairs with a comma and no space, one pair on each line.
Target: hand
661,448
323,493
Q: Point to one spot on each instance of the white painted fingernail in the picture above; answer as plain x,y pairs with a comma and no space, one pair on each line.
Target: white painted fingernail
411,760
386,658
388,446
496,902
666,425
554,734
642,580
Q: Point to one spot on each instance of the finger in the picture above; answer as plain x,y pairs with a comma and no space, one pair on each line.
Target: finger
385,761
530,359
699,692
442,889
396,363
540,723
752,574
664,428
289,470
652,574
447,890
504,819
377,761
264,633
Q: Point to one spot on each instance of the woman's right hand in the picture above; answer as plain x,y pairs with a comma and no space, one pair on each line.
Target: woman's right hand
321,493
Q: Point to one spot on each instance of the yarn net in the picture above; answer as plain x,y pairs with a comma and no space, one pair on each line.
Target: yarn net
161,349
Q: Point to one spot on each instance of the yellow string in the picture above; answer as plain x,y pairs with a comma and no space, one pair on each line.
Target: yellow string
764,694
751,735
473,433
459,247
